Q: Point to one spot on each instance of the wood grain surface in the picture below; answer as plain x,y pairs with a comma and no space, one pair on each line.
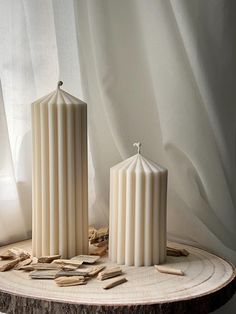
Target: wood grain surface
209,282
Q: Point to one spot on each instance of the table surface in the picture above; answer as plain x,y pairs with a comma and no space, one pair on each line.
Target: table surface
209,280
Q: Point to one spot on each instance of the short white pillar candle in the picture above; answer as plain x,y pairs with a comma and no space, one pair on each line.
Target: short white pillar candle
137,224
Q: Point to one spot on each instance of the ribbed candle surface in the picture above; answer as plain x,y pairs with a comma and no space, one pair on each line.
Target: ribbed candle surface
137,227
60,194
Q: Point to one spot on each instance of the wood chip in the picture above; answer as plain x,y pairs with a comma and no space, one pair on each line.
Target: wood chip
70,281
103,231
43,274
27,267
48,259
93,250
170,252
176,252
99,239
68,267
64,262
99,236
109,273
92,233
93,271
102,243
9,265
80,272
86,272
86,259
184,252
14,253
115,282
169,270
23,263
45,266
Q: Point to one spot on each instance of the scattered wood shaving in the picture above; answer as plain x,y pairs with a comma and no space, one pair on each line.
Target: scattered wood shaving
27,261
14,253
176,252
9,265
80,272
67,262
48,259
169,270
93,250
43,274
70,281
115,282
109,273
86,259
45,266
93,271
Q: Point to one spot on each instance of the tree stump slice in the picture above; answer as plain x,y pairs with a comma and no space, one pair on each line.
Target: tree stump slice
209,282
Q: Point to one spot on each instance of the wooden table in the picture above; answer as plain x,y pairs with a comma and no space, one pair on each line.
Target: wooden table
209,282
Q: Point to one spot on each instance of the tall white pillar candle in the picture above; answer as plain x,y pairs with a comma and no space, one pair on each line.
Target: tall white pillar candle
137,227
60,193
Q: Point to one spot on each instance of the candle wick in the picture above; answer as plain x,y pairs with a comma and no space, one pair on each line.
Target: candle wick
59,84
138,145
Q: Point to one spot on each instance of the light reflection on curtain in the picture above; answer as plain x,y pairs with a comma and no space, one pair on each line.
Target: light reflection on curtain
28,70
147,78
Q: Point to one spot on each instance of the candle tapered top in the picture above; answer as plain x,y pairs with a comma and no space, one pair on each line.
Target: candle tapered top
139,163
59,97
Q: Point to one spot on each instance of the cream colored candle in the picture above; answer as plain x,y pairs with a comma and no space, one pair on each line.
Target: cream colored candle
138,191
60,200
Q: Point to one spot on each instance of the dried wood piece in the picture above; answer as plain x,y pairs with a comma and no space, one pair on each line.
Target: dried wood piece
86,259
115,282
100,236
93,271
68,267
109,273
172,252
93,250
80,272
27,267
9,265
184,252
70,281
43,274
92,233
45,266
23,263
48,259
64,262
14,253
102,243
103,231
169,270
176,252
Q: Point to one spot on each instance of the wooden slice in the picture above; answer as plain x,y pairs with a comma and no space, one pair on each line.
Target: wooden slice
208,283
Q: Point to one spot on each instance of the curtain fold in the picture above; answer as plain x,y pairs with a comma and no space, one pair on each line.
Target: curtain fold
28,70
145,79
10,210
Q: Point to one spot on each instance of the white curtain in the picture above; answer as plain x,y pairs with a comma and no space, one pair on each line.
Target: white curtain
158,71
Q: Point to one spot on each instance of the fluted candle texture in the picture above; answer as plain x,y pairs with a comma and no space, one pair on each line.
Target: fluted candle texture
138,191
60,195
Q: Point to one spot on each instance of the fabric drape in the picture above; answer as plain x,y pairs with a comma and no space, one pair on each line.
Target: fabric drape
153,73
